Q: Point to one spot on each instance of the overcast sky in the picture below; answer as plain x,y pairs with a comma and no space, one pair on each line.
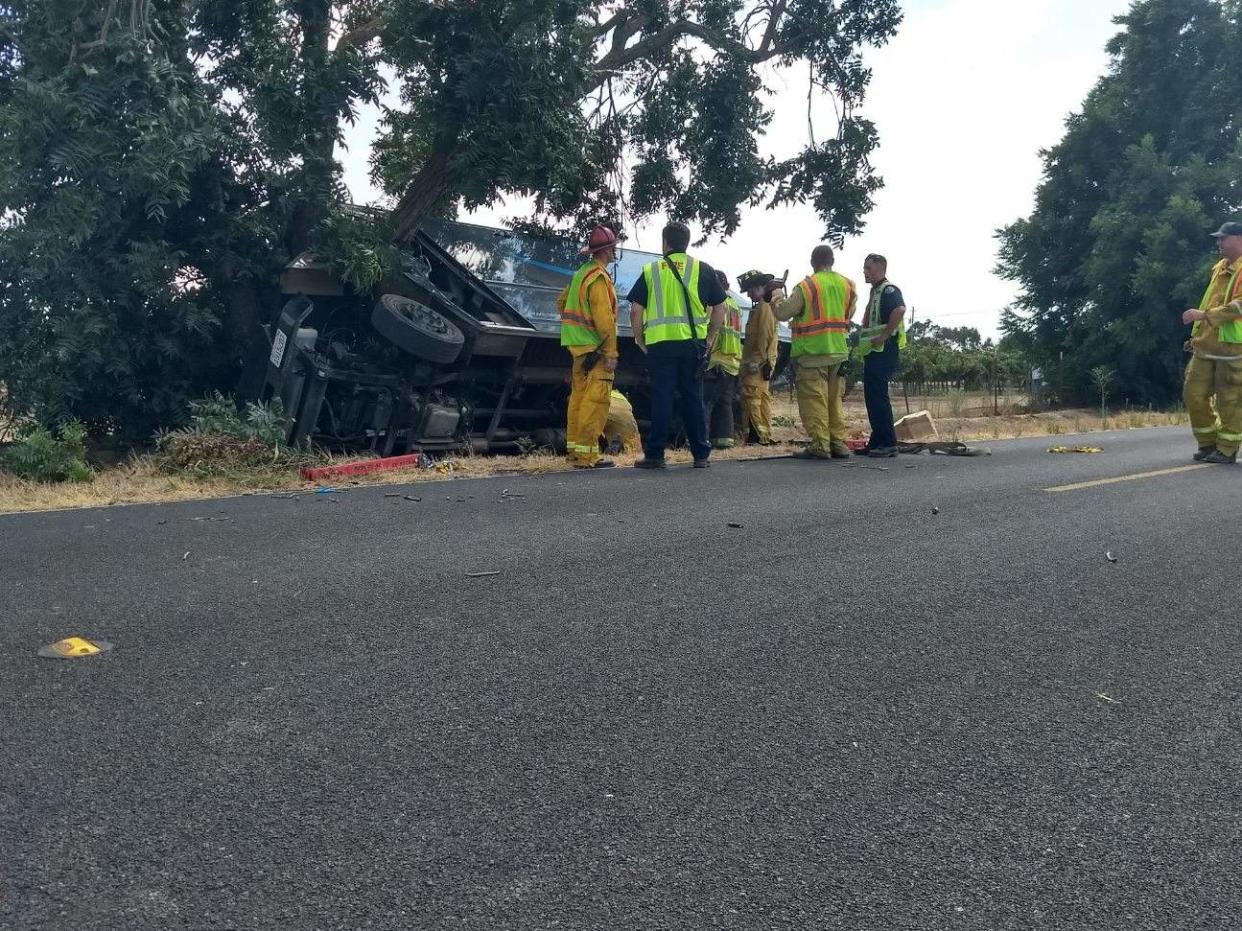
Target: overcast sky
964,98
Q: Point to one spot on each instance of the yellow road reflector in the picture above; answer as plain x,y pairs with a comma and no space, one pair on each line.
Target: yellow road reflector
1079,486
74,648
1061,450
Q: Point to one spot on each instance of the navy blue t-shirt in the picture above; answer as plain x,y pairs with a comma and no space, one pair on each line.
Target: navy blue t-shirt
710,292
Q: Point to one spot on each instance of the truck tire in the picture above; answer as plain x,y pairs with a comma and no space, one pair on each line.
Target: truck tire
417,329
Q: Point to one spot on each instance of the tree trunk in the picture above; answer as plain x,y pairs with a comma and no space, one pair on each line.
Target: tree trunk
423,195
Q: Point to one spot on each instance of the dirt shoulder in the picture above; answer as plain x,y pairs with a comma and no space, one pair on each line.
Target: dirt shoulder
140,480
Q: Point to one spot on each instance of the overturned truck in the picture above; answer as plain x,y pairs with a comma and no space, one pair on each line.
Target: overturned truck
458,349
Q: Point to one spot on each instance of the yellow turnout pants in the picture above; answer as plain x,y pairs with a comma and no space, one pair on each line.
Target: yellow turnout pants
589,397
756,407
821,404
621,430
1219,425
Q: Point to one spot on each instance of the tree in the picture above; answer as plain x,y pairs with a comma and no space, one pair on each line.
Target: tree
638,107
1117,245
162,160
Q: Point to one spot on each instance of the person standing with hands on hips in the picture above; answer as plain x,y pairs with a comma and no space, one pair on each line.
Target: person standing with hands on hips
886,313
677,309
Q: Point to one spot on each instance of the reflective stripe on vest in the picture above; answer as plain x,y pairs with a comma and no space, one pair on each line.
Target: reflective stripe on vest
665,318
577,327
822,328
729,345
873,313
1230,332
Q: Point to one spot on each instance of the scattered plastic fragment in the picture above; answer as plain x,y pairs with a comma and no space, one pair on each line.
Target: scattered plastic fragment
935,510
481,575
412,498
1110,557
736,526
1062,450
186,556
1102,697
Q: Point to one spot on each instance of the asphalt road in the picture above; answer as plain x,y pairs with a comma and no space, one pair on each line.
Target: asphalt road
851,712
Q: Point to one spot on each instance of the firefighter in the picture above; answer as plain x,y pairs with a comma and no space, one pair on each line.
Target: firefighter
720,385
758,358
589,331
1215,369
676,339
621,431
820,309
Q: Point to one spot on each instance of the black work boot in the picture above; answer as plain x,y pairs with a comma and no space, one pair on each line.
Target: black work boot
702,463
1219,458
882,452
1204,452
646,463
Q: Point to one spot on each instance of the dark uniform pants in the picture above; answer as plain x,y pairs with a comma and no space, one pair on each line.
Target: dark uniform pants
720,389
676,370
878,370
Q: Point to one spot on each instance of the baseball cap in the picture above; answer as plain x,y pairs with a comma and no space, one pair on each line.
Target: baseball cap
1228,229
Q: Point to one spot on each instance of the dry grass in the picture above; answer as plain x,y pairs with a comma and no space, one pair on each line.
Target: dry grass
140,481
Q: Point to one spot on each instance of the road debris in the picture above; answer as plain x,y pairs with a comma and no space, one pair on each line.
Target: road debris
209,519
186,556
736,526
325,490
396,495
1110,557
1066,450
481,575
1108,698
74,648
935,511
412,498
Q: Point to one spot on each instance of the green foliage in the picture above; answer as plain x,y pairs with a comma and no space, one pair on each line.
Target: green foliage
159,163
220,438
217,414
1117,246
1102,377
162,160
960,356
580,104
43,455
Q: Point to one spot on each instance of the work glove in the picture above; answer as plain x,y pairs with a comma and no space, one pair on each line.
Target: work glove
591,359
766,371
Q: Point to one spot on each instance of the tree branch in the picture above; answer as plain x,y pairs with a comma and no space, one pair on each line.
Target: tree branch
360,35
621,55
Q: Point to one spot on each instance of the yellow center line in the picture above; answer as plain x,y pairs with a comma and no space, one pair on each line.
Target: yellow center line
1079,486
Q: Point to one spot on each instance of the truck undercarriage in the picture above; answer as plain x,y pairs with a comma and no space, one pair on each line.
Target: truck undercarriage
435,359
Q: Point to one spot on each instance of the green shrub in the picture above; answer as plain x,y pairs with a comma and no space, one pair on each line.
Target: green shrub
41,455
220,439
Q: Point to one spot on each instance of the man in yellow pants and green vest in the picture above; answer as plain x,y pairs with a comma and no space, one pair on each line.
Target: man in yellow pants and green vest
1215,370
820,309
589,331
720,385
758,358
